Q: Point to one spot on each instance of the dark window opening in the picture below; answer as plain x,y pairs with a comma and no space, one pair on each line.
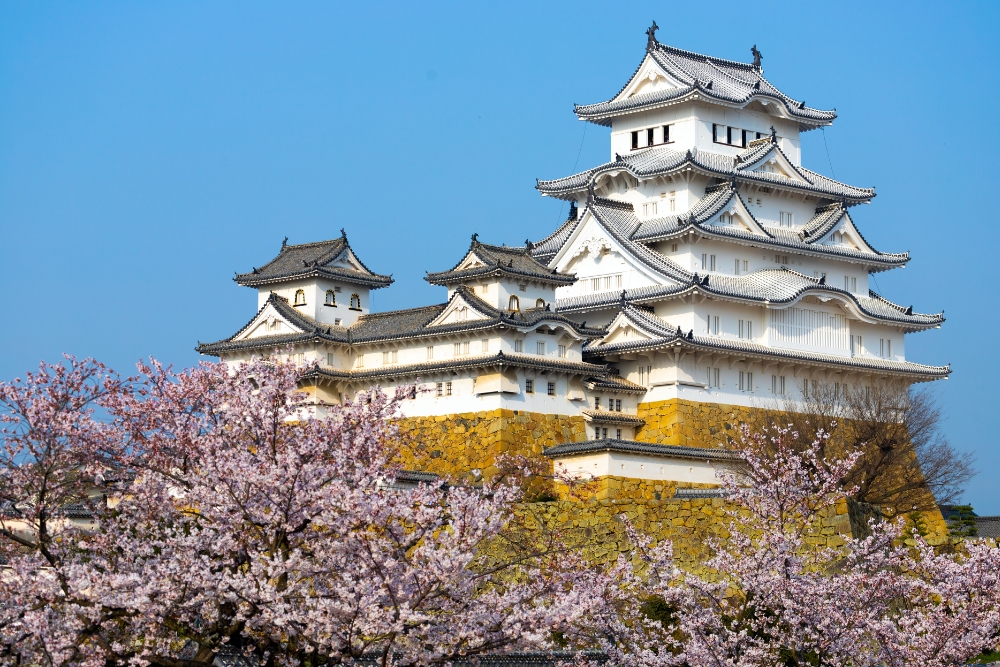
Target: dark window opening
649,137
635,140
666,134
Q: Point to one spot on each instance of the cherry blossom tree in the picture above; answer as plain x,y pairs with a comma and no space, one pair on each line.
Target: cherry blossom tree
223,518
780,592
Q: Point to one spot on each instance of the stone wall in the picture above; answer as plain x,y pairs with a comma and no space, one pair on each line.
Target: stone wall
456,444
691,424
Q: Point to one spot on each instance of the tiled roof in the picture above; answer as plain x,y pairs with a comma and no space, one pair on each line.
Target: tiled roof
633,447
665,335
312,260
725,81
393,325
614,384
651,162
620,222
608,417
694,494
547,248
500,261
987,526
718,197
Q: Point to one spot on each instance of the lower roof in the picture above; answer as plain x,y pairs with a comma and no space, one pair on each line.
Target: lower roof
634,447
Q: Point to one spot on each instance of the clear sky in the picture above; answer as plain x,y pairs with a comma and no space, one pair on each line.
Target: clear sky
150,150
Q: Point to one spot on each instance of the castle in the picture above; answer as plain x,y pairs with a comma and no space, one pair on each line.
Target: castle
702,270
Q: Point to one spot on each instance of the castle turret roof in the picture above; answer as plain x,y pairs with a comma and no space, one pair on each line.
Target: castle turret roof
659,161
490,261
696,76
328,259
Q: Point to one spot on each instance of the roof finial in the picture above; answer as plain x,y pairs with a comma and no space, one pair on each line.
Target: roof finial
572,210
651,37
529,246
623,300
756,56
590,192
284,244
774,133
343,234
475,238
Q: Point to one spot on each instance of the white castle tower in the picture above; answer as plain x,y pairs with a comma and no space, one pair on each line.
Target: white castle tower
724,269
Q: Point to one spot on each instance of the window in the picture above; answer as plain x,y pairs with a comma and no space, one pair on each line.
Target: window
732,136
519,345
484,346
707,262
850,284
603,433
618,405
440,388
514,304
336,322
712,377
806,384
778,385
461,348
742,266
361,361
673,204
746,381
331,298
540,304
815,328
785,219
390,357
552,388
781,259
649,209
673,248
712,324
885,348
597,402
562,351
337,289
529,386
746,329
819,275
666,134
644,373
603,283
856,347
618,433
649,137
635,140
523,288
462,314
430,352
329,358
447,389
355,302
300,297
540,347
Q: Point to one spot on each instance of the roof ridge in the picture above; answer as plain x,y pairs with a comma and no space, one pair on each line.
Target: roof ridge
613,203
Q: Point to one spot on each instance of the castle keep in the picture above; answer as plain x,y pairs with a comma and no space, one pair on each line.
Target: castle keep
702,271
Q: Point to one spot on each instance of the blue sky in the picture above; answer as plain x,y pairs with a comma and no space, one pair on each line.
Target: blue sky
150,150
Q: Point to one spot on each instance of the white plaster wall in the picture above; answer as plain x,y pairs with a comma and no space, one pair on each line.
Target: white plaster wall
315,290
640,466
